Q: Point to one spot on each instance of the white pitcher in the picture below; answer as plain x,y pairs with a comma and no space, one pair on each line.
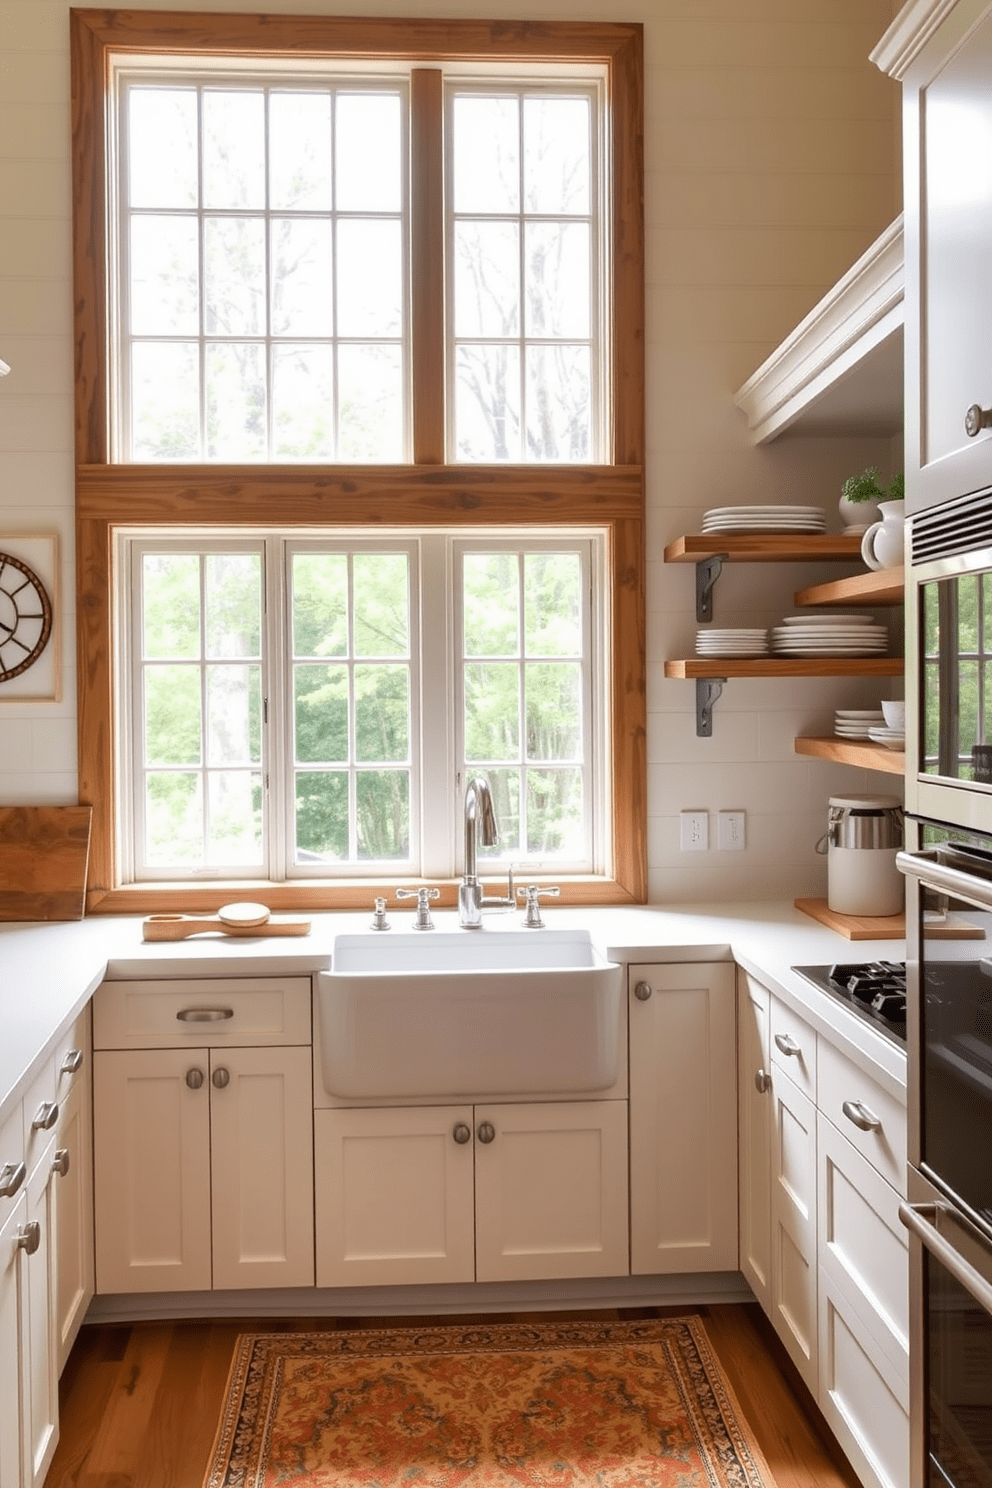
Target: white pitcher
882,544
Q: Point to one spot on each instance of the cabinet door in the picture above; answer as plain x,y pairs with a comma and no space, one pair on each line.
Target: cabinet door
41,1402
152,1188
683,1118
394,1195
948,111
261,1112
551,1190
755,1123
13,1347
74,1215
793,1309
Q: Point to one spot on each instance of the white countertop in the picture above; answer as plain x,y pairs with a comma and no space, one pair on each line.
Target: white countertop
48,971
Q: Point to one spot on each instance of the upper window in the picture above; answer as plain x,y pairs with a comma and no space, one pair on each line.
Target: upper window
266,287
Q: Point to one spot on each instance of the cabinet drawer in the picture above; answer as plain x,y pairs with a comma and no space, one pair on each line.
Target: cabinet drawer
794,1047
72,1055
12,1157
208,1013
863,1405
873,1121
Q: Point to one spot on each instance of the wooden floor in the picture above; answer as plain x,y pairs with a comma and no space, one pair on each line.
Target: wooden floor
140,1403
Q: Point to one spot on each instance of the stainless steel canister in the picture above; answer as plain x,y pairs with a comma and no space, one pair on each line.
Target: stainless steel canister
863,835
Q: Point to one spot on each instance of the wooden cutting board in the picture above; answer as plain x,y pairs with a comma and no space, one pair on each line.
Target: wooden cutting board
885,927
44,851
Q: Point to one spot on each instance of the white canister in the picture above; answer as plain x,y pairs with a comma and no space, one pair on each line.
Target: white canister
863,835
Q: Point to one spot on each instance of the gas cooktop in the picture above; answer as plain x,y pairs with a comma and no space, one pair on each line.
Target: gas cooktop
874,990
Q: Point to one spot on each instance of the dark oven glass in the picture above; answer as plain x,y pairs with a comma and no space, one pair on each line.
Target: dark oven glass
956,678
956,1053
959,1373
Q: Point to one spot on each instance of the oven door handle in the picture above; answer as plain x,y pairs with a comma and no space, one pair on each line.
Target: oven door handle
919,1219
938,876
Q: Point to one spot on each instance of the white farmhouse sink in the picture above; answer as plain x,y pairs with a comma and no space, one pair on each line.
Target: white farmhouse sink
468,1013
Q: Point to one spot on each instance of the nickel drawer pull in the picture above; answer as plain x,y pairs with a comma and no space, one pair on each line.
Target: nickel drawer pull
787,1044
862,1116
72,1062
762,1081
46,1116
29,1237
62,1161
204,1015
12,1175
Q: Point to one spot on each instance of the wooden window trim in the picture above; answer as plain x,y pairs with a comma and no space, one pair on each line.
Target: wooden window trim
424,494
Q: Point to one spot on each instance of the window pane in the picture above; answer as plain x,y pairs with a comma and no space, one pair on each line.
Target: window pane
382,604
172,715
558,403
234,715
302,304
487,407
300,151
556,154
170,594
233,148
554,813
303,402
368,156
552,599
233,583
491,604
320,604
235,401
321,816
370,406
554,710
557,282
320,704
173,820
487,278
370,278
165,401
165,276
235,813
492,712
162,163
486,154
382,713
234,276
383,798
967,597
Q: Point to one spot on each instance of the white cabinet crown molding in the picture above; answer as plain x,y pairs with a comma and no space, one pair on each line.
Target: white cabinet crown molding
908,35
861,314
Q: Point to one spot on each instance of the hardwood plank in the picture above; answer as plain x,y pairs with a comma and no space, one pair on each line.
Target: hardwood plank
777,666
121,1440
860,752
750,547
884,586
44,851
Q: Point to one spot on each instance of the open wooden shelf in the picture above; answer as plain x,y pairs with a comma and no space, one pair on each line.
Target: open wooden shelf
756,547
860,752
771,666
882,586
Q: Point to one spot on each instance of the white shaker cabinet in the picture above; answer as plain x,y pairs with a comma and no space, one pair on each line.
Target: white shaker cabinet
947,112
793,1218
74,1211
494,1192
683,1118
754,1124
12,1345
204,1152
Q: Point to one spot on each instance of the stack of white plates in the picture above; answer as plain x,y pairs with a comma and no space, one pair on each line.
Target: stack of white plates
857,723
732,643
765,519
829,635
891,738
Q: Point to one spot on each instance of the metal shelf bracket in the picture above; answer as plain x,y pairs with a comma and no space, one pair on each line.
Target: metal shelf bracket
708,690
708,570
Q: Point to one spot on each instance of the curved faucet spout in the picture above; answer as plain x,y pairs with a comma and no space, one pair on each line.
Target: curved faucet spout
480,817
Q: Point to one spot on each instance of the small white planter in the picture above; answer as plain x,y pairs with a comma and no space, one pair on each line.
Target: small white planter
858,516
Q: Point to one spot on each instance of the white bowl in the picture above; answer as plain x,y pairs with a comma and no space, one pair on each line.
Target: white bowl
895,714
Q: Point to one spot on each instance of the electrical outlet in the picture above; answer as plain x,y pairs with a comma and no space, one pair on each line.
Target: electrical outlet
694,831
730,831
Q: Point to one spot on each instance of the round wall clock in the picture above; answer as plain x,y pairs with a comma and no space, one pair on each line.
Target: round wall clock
25,617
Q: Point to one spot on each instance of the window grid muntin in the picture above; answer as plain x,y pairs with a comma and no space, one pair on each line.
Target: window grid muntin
200,82
599,372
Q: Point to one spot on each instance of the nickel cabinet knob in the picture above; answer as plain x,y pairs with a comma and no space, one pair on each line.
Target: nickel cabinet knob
220,1078
29,1237
61,1161
976,419
194,1078
461,1132
485,1132
762,1081
642,991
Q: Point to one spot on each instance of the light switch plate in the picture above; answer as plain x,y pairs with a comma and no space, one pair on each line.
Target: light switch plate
694,831
730,834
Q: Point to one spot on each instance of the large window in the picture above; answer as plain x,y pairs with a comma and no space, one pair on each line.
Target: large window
360,428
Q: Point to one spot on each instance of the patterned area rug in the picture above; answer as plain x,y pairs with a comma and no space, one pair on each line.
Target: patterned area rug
554,1405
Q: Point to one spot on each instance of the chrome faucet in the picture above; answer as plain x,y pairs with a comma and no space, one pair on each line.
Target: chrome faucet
479,816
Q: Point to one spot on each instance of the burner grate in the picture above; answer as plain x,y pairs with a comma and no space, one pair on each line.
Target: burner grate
874,990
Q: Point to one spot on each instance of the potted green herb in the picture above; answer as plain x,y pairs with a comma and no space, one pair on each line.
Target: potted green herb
860,495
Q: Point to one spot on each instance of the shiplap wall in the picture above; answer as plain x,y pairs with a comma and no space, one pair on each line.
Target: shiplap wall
771,164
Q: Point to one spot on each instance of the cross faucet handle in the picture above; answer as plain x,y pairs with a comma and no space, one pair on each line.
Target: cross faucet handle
533,893
423,896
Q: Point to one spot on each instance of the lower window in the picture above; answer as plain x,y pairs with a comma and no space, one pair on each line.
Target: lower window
313,707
